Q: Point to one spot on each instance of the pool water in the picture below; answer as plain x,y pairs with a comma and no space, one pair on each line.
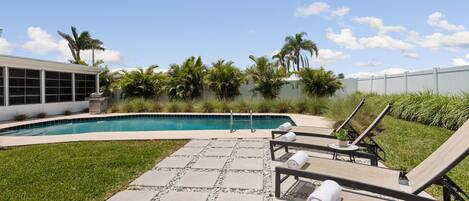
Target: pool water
146,123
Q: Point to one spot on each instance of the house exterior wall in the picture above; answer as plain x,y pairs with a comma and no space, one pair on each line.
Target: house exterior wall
8,111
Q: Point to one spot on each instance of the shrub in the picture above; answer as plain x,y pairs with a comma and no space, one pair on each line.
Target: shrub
242,106
301,106
207,106
41,115
186,80
188,106
319,82
283,106
268,79
139,105
142,83
20,117
224,107
264,106
224,79
86,110
67,112
174,107
156,107
316,105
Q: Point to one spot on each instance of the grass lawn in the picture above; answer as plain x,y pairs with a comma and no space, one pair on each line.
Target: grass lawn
409,143
77,171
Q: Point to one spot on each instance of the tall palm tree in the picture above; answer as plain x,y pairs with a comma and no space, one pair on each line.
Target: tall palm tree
78,42
95,44
295,44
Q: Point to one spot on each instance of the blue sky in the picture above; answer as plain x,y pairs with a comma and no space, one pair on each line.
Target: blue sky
355,37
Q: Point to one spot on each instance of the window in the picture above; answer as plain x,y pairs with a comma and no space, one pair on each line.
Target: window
24,86
2,88
58,87
84,86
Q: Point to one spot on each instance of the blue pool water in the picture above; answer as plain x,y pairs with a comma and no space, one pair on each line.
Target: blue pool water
145,123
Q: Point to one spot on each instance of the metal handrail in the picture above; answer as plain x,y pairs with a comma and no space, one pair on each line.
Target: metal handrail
251,122
231,121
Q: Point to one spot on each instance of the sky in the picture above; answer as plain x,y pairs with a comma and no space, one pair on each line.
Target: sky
357,38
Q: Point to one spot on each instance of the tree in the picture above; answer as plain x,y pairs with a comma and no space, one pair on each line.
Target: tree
108,80
186,80
142,83
225,79
291,51
319,82
268,78
78,42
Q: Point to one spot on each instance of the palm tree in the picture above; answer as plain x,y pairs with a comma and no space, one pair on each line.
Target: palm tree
225,79
319,82
142,83
293,47
186,80
96,44
78,42
108,80
268,78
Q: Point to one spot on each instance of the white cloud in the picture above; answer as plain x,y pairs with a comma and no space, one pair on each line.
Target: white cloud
371,63
339,12
41,42
411,55
451,41
5,46
328,56
377,24
461,61
388,71
345,38
436,19
385,42
313,9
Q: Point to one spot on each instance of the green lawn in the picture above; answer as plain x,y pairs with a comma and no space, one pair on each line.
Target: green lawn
77,171
409,143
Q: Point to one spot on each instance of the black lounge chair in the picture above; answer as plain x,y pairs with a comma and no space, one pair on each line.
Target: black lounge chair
306,130
320,142
388,182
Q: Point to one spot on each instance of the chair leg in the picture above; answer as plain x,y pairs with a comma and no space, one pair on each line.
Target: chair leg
272,151
277,184
286,148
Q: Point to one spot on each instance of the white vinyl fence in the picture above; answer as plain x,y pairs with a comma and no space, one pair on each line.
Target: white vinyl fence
451,81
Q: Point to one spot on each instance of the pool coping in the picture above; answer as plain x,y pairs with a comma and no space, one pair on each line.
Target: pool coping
7,141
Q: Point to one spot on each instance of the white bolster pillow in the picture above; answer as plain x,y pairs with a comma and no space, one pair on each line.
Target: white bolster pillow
288,137
285,126
328,191
297,160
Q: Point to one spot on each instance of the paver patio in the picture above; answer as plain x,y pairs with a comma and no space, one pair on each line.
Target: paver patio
217,170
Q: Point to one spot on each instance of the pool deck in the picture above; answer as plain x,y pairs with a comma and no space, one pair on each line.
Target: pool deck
6,141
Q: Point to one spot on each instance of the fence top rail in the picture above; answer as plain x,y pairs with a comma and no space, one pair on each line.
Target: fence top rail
421,72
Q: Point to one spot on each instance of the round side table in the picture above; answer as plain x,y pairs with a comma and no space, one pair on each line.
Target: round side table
350,149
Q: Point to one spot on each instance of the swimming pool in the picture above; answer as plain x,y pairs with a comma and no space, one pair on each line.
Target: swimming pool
128,123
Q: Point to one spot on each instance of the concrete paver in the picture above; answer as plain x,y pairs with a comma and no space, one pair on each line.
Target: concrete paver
134,195
247,164
210,163
181,196
154,178
198,179
242,180
174,162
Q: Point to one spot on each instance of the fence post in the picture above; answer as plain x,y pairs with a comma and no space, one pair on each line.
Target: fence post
371,83
385,84
406,89
435,79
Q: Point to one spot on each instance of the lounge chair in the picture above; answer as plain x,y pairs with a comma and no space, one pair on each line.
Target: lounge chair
321,142
306,130
383,181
